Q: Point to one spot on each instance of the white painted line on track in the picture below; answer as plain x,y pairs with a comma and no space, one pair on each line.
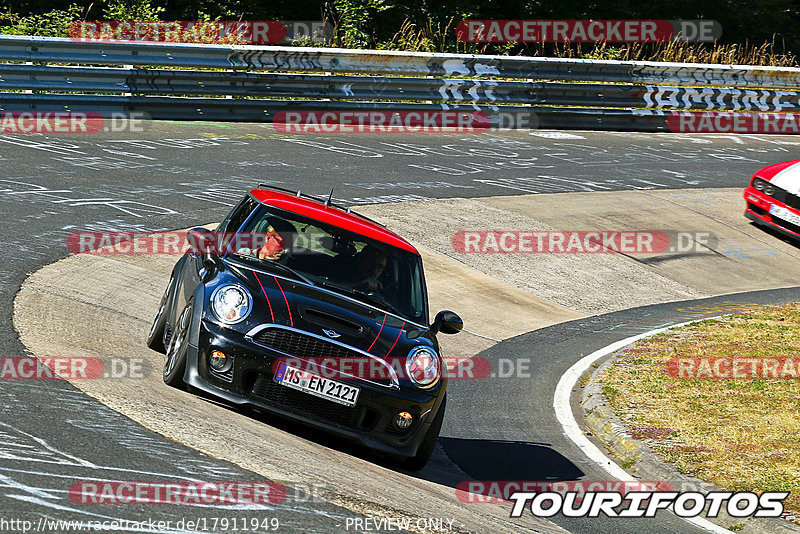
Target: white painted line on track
573,431
556,135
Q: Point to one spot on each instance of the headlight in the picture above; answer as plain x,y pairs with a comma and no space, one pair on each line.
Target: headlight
231,303
764,186
423,367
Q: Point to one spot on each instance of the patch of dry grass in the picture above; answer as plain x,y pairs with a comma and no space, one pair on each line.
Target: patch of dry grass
765,54
440,37
739,434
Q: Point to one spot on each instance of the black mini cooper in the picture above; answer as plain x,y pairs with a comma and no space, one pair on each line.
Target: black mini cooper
307,310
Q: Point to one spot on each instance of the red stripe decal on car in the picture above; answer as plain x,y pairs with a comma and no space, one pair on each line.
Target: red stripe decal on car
396,340
379,333
291,323
272,316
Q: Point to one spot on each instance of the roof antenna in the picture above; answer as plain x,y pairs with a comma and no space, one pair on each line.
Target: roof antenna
328,202
298,192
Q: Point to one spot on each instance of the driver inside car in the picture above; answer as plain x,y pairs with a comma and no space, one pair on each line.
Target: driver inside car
274,244
367,267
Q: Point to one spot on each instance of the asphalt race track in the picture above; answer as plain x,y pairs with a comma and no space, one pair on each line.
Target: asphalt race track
525,429
172,175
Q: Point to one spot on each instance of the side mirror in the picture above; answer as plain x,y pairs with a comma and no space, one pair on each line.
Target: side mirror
204,244
447,322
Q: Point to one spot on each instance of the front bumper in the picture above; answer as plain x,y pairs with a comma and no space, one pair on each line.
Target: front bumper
757,210
250,382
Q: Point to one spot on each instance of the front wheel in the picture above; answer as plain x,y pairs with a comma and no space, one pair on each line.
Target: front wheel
175,362
418,461
155,339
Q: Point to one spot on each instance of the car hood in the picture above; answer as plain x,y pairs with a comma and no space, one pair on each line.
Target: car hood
328,314
785,175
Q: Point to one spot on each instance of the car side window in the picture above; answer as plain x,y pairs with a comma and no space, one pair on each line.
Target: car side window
224,224
235,219
415,294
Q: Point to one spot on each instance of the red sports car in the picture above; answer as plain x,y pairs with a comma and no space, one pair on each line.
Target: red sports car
773,198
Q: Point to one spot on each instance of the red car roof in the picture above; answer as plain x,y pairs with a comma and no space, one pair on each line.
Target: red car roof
331,215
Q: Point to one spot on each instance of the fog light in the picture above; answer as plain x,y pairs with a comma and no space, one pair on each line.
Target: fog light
403,420
218,360
752,198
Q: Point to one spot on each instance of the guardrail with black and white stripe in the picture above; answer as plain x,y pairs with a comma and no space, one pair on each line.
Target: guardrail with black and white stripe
253,83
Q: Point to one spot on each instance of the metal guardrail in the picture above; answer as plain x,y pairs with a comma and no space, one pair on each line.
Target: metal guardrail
62,50
258,110
455,90
455,81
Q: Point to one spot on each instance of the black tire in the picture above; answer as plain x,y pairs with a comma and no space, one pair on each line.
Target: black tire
155,339
417,462
175,360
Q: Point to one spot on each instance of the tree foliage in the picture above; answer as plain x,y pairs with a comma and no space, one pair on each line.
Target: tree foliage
422,24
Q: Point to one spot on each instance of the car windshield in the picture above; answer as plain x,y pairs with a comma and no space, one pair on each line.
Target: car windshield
327,256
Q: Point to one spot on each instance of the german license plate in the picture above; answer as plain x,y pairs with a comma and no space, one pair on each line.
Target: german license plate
316,385
784,214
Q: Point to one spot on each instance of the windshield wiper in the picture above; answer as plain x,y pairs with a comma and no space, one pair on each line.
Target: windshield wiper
289,270
362,296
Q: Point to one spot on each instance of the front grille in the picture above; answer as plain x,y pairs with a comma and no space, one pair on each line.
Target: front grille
792,200
304,346
301,345
350,417
780,194
786,197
